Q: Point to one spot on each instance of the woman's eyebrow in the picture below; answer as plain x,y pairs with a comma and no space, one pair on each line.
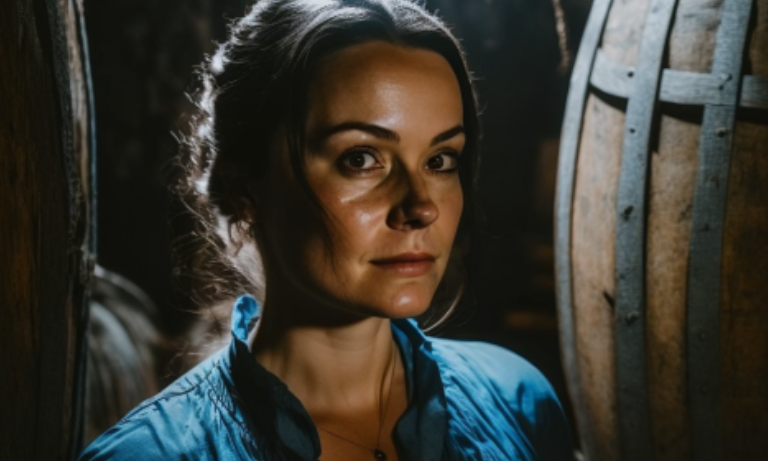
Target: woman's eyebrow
448,134
385,134
374,130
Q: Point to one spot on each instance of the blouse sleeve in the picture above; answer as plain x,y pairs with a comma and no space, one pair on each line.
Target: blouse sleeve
126,442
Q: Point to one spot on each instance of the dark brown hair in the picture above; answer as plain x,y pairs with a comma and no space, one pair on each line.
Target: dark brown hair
255,85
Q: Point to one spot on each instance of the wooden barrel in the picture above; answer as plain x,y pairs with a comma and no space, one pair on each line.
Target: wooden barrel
662,231
46,244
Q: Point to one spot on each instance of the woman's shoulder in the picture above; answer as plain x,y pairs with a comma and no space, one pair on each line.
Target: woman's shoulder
170,424
491,365
488,383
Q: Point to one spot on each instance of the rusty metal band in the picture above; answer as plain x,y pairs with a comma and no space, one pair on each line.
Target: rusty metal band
708,222
632,401
678,86
90,102
569,146
59,58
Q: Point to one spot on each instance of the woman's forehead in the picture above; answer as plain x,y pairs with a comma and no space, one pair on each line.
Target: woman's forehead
386,85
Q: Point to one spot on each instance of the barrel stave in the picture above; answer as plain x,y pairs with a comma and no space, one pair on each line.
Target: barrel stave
671,188
744,297
672,172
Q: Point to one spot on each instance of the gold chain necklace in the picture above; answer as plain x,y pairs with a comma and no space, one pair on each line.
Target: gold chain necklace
377,452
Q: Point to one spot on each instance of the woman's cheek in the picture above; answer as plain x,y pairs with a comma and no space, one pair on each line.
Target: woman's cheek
451,206
359,213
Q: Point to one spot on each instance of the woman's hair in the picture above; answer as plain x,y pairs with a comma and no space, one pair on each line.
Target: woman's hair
256,85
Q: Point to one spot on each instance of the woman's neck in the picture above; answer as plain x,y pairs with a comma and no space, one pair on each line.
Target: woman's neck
331,366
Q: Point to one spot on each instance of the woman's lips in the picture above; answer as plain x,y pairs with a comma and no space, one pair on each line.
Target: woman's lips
407,264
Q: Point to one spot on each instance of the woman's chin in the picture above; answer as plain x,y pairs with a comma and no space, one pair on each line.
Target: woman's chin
404,303
409,301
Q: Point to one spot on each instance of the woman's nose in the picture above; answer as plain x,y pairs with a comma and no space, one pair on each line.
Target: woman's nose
415,209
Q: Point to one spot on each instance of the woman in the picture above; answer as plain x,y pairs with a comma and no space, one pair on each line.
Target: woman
336,140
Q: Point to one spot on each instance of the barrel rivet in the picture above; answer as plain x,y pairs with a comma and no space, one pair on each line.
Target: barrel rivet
631,318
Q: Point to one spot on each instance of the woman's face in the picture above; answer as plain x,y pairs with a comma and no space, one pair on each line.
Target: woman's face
383,135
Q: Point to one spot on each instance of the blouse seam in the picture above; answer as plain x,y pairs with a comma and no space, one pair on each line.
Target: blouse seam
450,385
242,426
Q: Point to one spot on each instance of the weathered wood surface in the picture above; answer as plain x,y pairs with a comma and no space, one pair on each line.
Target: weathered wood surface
44,238
739,362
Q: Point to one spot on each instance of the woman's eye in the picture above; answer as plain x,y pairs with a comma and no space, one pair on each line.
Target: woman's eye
444,162
360,160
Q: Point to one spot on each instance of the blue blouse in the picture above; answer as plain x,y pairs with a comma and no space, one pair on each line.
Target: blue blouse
467,401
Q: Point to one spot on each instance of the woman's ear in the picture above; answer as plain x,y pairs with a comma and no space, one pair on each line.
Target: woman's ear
252,205
245,211
254,210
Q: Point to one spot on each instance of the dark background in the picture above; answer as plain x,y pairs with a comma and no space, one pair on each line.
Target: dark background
143,54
